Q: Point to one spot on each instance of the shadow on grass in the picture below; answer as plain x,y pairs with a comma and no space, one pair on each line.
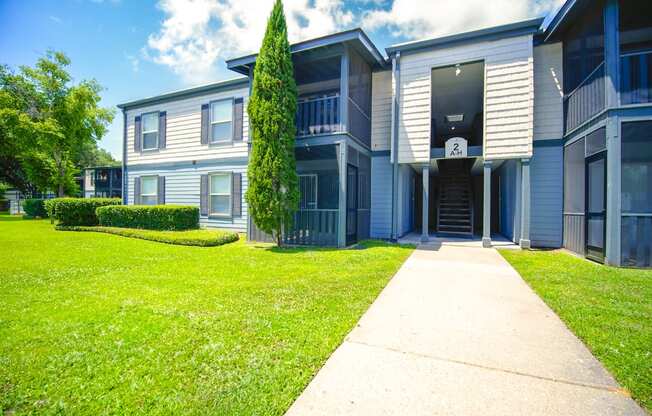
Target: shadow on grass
362,245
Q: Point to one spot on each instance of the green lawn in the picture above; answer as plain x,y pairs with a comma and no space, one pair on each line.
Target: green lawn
94,323
610,309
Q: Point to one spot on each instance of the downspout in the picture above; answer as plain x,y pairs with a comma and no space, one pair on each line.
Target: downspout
125,188
396,73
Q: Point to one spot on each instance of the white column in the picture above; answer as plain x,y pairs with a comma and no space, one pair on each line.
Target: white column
524,242
486,207
425,206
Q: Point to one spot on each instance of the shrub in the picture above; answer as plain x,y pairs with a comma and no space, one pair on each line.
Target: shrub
78,211
200,238
150,217
34,208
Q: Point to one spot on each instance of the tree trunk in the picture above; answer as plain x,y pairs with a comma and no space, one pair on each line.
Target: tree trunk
60,191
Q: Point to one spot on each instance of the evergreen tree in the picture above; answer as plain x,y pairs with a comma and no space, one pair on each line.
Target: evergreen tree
273,194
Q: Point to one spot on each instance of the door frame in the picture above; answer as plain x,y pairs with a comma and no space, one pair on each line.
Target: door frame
591,252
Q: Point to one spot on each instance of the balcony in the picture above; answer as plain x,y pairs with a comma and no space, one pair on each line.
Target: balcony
319,115
585,101
636,78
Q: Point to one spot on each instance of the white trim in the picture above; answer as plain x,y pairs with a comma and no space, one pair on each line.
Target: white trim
155,194
211,213
211,122
143,131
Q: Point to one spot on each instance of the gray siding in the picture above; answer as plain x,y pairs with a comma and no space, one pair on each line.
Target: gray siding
547,196
574,233
381,197
182,184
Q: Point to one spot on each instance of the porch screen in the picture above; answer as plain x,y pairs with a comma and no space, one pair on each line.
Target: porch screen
574,194
636,194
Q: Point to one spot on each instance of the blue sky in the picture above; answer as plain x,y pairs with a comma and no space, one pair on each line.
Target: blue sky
141,48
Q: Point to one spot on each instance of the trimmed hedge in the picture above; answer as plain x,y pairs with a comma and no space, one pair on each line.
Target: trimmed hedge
78,211
150,217
34,208
200,238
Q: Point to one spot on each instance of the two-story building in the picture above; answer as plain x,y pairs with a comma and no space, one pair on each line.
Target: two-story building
542,134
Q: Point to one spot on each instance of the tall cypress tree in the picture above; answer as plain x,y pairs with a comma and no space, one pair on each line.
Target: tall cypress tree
273,194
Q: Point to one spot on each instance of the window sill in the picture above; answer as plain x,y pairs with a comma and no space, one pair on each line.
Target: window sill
221,144
154,150
220,217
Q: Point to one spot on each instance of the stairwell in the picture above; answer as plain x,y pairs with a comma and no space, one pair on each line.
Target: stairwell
455,201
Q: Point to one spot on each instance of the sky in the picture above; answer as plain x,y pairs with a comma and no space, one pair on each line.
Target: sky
140,48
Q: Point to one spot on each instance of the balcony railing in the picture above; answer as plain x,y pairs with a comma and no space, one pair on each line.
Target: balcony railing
636,78
586,100
318,116
313,227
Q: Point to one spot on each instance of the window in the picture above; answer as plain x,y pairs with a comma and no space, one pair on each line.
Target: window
221,121
148,190
308,190
220,194
150,131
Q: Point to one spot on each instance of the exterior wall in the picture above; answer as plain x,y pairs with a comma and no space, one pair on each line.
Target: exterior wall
548,92
405,200
507,199
381,197
547,196
183,141
381,110
182,182
509,97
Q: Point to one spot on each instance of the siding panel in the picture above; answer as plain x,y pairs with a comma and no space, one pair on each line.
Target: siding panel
548,92
381,197
546,175
183,138
381,110
182,187
509,83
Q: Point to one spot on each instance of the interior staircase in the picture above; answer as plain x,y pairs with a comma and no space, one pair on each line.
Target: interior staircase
455,201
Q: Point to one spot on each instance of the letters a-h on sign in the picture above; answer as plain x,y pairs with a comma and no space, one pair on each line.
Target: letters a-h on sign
456,147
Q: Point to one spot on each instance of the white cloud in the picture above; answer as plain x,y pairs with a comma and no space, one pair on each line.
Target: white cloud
418,19
197,33
55,19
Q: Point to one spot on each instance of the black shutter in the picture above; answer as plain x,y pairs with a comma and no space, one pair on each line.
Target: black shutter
203,195
237,119
137,135
162,127
136,191
236,195
161,191
204,123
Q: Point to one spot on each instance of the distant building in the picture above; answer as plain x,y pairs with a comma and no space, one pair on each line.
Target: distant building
101,182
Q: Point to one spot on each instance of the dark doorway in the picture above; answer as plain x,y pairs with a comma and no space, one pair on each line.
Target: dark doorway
596,206
351,204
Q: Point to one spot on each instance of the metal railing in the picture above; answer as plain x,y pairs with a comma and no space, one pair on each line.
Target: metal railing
586,100
318,116
636,78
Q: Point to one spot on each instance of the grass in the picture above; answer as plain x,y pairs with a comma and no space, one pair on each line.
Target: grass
610,309
201,238
93,323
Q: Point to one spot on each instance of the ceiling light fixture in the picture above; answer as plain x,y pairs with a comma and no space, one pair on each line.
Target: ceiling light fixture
458,70
455,118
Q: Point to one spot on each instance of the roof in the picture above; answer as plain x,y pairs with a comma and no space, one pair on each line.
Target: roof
187,93
355,37
531,26
564,16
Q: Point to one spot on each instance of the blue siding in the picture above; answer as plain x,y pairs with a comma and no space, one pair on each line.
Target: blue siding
406,174
381,197
507,174
547,196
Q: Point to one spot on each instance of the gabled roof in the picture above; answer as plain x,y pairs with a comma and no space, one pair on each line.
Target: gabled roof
354,37
187,93
531,26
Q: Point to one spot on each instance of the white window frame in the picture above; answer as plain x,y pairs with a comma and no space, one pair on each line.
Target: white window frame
212,213
211,122
143,131
316,187
155,194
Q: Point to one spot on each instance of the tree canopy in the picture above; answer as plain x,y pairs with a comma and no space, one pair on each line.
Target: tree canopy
49,127
273,194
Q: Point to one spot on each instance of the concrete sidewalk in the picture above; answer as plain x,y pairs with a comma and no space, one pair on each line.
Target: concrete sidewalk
457,331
